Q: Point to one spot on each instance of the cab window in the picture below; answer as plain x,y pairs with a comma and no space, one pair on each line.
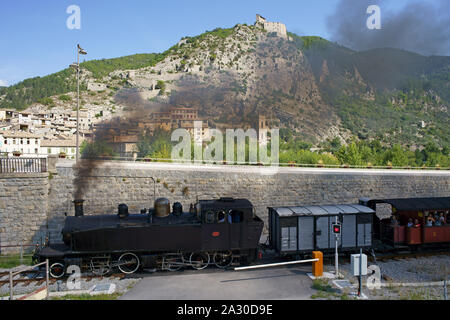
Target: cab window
235,216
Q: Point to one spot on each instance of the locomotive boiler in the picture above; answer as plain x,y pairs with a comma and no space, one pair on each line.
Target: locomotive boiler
221,232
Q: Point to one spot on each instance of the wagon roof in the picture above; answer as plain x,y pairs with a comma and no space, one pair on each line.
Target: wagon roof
322,210
417,204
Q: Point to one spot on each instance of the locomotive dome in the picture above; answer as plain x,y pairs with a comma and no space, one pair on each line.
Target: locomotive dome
162,207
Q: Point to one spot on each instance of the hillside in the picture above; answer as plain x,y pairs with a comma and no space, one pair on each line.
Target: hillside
315,88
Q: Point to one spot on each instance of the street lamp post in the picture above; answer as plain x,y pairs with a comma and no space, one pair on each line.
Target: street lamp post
77,67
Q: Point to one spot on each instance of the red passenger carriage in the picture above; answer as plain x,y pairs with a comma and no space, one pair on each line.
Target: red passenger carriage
415,222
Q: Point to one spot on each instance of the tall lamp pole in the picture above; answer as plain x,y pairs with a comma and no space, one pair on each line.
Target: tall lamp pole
77,67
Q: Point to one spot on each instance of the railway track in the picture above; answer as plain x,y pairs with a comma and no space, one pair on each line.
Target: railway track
38,278
408,255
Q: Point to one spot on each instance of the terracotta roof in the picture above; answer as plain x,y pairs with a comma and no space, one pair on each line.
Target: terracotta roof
18,134
58,143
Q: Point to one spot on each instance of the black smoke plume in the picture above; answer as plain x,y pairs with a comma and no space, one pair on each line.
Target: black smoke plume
421,27
137,108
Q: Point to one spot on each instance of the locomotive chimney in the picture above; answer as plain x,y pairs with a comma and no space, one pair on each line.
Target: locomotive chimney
78,207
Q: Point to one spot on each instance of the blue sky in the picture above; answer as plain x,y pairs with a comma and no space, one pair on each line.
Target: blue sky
34,39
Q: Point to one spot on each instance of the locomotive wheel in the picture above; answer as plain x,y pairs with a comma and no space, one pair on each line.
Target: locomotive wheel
100,266
199,260
172,262
128,263
56,270
223,259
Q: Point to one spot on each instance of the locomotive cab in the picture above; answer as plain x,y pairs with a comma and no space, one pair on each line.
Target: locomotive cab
225,210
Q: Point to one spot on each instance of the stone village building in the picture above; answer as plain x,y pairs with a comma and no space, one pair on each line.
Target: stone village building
277,27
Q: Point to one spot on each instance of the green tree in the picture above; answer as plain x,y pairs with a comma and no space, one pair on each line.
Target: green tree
350,155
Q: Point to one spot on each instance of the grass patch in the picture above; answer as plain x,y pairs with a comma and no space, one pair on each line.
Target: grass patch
86,296
418,294
326,291
13,260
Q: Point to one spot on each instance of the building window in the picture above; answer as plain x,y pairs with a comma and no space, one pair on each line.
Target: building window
28,141
6,141
36,151
21,141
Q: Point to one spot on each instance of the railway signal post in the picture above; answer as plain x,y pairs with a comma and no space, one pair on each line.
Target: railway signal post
337,232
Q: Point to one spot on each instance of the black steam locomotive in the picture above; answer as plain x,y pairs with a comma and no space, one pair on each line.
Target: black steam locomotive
226,232
222,232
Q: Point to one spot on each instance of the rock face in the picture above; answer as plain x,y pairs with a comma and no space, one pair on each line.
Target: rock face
233,76
93,86
32,205
318,89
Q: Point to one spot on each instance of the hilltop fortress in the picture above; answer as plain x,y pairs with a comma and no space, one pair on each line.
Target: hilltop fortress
277,27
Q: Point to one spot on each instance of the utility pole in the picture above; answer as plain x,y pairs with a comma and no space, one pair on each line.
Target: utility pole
77,67
445,283
360,274
78,106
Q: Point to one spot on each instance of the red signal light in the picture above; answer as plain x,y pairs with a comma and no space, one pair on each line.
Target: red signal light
336,228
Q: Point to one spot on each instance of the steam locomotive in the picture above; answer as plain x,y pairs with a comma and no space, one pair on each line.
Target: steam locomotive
226,232
222,232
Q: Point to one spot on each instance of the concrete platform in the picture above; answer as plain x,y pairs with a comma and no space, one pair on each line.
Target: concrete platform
289,282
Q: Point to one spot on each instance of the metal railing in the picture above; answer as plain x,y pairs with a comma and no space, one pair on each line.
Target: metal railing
20,256
291,164
13,273
23,165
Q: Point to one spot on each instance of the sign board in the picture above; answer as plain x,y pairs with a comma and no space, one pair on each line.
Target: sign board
355,265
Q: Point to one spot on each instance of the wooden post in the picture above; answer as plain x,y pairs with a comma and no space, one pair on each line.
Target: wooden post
46,277
11,296
317,266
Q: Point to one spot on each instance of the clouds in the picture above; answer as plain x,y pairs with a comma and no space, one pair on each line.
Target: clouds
3,83
421,27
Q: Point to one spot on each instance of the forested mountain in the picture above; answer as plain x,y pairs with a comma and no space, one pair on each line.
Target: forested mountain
315,89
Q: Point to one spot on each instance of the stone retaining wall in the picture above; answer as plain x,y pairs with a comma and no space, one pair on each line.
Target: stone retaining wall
29,205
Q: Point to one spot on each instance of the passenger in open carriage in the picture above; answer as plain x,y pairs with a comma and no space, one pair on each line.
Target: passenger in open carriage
410,223
437,220
394,221
416,223
442,219
430,220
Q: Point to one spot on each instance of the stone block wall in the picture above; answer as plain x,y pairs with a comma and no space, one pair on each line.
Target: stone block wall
23,209
137,185
32,205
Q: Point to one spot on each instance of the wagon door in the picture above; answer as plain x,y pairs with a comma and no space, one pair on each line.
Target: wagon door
322,233
349,231
305,233
364,230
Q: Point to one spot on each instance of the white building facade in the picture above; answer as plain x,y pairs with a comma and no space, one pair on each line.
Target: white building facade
25,143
